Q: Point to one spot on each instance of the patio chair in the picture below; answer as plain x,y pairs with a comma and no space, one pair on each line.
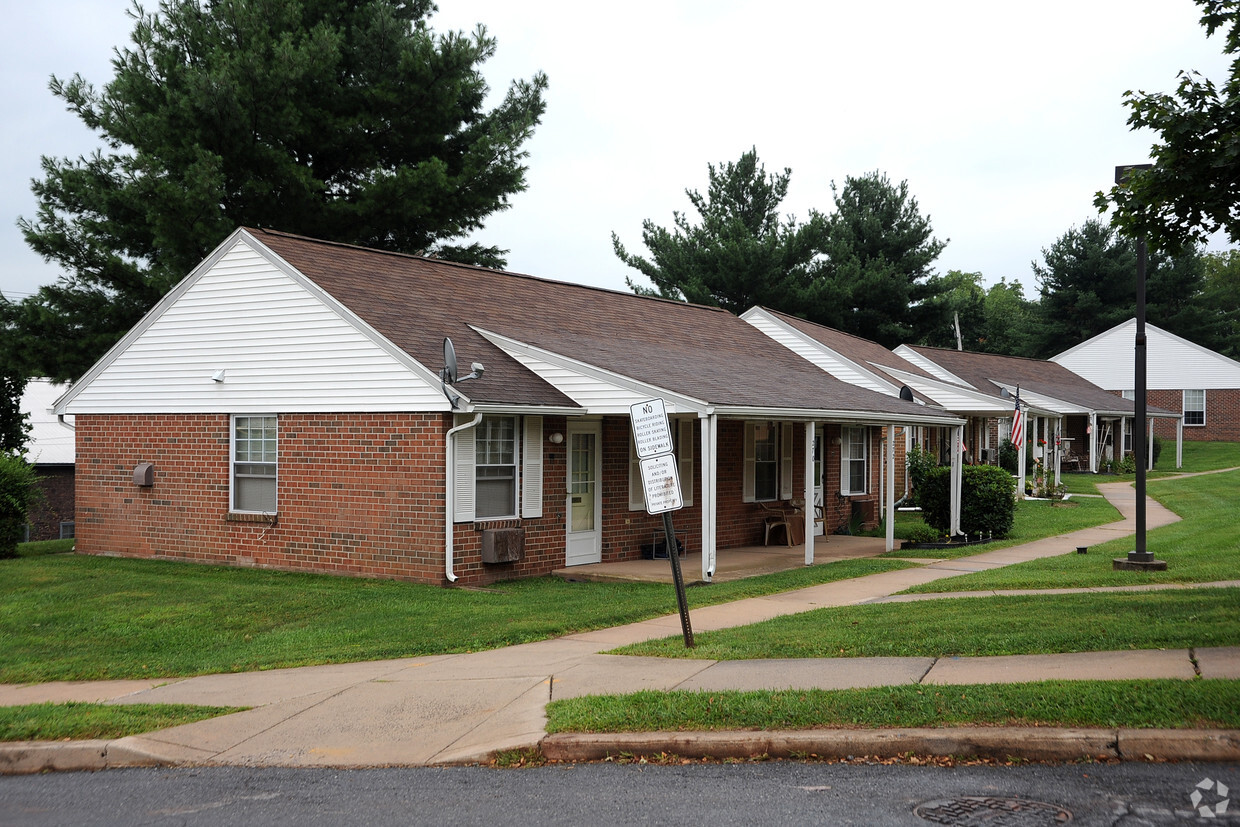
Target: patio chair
779,517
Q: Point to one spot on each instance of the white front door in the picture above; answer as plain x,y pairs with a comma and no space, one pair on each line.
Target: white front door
585,495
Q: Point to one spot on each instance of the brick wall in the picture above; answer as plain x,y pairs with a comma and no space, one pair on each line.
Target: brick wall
1222,415
56,505
363,495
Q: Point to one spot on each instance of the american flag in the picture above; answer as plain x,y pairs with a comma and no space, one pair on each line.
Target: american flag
1018,424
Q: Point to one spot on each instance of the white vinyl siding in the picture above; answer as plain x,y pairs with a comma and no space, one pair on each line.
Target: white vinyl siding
254,458
854,456
281,344
1194,407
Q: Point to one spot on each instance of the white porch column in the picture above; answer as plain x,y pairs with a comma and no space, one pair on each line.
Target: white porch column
809,492
1057,456
1179,442
710,487
956,477
1020,464
891,486
908,444
1093,443
1149,455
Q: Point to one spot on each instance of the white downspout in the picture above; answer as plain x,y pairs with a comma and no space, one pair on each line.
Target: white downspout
956,480
450,488
891,487
1093,442
809,493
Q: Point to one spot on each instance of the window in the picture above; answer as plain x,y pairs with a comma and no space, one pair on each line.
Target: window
682,447
495,467
254,464
66,530
854,453
765,462
1194,407
1129,395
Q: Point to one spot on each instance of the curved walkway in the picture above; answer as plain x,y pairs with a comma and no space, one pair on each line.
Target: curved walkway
463,708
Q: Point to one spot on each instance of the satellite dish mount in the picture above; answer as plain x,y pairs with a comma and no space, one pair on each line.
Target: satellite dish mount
448,375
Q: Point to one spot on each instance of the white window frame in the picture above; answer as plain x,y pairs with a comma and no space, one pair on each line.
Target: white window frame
847,459
529,454
1185,409
784,451
234,462
482,436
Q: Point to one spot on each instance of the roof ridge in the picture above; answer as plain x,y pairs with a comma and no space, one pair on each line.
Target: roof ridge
260,231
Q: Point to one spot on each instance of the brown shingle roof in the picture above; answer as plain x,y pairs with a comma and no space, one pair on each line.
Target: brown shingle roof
986,371
702,352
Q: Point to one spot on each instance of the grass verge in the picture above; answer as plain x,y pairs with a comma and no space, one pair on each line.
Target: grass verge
1140,704
1035,519
1204,547
57,722
973,626
73,617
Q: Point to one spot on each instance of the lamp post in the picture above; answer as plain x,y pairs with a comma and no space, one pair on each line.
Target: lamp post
1139,557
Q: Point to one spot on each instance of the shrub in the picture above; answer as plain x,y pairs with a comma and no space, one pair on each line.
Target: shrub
987,501
1127,465
922,533
18,493
1007,456
920,463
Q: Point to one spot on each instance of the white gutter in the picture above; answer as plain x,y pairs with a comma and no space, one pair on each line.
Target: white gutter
449,487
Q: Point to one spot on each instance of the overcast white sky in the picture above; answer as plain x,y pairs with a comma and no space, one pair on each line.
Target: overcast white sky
1005,118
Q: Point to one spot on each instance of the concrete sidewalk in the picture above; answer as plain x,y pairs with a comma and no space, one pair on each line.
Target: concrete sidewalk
453,709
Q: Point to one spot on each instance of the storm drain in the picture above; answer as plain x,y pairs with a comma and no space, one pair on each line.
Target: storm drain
972,810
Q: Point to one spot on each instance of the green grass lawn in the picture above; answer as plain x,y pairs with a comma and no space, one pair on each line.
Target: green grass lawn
55,722
1157,703
1203,547
1035,519
74,617
976,626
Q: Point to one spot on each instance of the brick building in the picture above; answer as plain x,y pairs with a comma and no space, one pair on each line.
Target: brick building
1181,376
285,407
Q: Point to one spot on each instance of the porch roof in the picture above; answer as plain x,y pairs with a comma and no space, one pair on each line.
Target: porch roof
705,356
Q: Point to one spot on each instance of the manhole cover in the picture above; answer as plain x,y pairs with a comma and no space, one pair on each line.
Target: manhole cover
992,812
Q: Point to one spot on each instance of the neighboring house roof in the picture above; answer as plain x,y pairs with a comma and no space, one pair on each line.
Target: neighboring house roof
1172,362
1047,384
543,343
869,364
49,442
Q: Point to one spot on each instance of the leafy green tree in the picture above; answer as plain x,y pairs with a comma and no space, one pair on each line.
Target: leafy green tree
349,120
1009,320
1193,189
1087,285
1221,295
962,301
875,280
738,252
14,427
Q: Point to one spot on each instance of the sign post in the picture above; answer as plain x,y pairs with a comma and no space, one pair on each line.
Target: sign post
661,483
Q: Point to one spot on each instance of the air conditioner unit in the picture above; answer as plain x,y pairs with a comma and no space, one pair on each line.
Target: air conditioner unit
503,545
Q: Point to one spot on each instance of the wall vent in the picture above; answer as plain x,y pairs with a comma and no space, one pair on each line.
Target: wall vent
503,545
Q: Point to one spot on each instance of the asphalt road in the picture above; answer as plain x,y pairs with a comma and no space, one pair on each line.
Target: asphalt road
1129,794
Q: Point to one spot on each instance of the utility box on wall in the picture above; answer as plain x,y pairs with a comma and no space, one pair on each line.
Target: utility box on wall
503,545
144,474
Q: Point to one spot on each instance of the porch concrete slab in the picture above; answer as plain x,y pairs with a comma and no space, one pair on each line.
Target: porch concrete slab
808,673
72,691
1219,661
1083,666
620,674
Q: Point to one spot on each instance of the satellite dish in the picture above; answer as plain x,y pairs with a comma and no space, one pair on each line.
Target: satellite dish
449,361
906,393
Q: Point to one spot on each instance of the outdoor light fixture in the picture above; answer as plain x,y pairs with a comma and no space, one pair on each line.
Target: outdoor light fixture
556,438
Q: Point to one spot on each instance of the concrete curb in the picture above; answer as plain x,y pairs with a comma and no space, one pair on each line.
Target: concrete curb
1002,743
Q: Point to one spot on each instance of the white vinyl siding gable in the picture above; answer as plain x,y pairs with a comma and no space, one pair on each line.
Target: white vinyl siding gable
280,343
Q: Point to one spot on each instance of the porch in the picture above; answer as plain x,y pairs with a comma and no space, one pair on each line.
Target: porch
730,563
